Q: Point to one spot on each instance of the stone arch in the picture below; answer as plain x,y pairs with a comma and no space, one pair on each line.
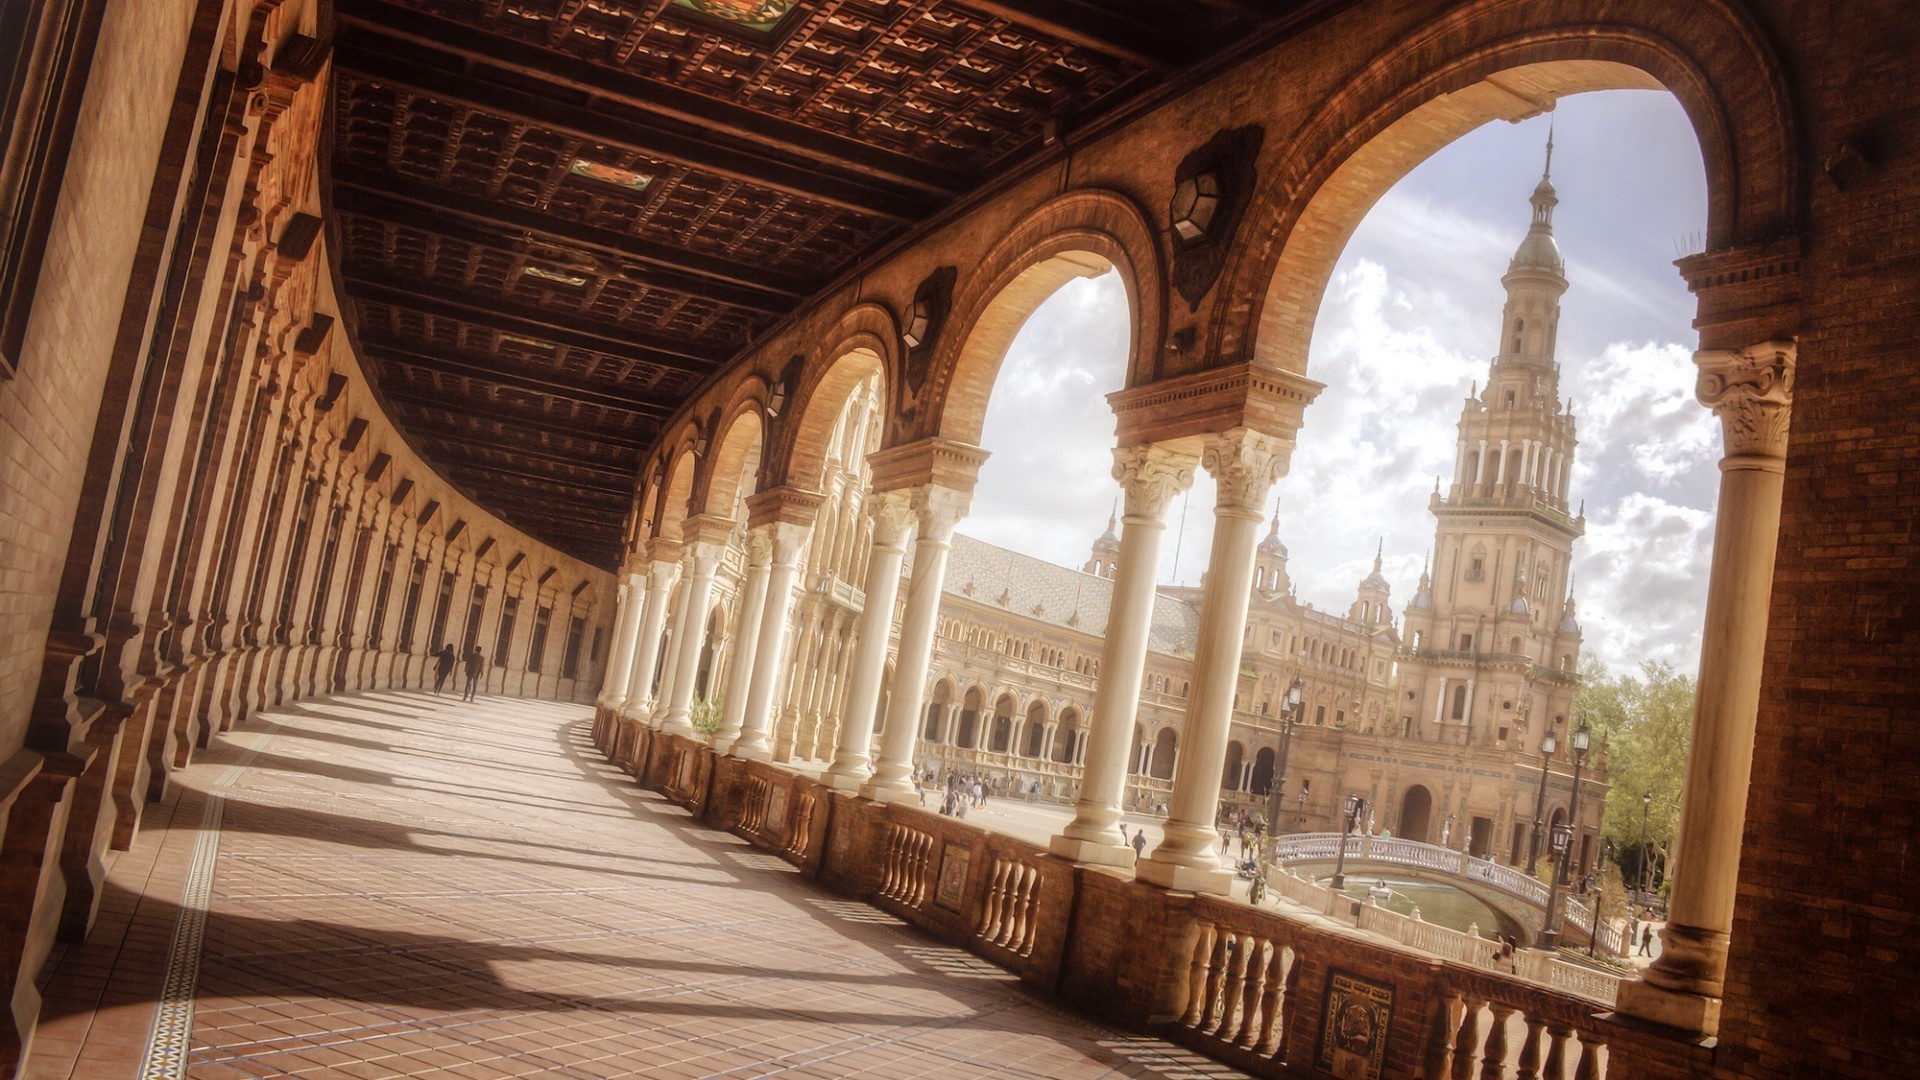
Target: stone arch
864,341
1034,735
1078,234
1490,60
1230,773
1262,782
1416,814
966,731
738,445
1166,746
1000,737
1066,736
938,703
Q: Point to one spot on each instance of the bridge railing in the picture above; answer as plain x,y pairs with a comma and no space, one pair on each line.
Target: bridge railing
1325,847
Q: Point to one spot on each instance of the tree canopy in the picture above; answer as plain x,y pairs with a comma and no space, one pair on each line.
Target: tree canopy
1646,721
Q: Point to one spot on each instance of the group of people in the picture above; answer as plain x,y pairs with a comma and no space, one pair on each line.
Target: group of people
958,795
444,662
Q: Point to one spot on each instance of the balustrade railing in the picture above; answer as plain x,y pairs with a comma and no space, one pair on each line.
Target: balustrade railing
1325,847
903,873
1007,919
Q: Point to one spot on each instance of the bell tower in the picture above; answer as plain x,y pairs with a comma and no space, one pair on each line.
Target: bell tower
1494,662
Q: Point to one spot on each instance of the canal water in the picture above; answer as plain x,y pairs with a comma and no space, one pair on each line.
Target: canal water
1442,905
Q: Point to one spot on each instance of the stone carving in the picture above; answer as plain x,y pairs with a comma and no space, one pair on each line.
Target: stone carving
760,546
939,511
1151,476
1751,391
892,514
665,574
703,559
1245,464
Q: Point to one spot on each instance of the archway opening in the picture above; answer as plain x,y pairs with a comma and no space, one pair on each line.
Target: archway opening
1416,813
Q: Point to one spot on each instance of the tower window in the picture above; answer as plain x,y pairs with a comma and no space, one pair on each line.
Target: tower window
1509,399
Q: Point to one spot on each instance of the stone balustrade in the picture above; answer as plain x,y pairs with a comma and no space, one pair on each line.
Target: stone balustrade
1260,989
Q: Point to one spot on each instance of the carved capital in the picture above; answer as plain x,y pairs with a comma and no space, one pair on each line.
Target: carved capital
702,559
789,540
1150,476
892,515
760,546
663,573
939,511
1751,391
1245,464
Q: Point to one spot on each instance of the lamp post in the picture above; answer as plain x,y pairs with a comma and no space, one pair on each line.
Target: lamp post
1563,842
1547,744
1355,806
1646,803
1289,713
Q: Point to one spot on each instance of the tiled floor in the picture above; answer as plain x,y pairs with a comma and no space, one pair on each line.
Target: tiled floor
403,885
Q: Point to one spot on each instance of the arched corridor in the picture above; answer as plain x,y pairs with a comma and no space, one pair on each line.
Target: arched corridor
402,883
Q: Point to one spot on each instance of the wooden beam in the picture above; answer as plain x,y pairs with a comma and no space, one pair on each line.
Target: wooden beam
624,471
888,202
550,480
1096,27
511,419
551,386
548,509
419,30
417,204
507,317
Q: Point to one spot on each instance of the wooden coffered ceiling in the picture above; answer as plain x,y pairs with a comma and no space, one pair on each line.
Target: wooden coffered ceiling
555,219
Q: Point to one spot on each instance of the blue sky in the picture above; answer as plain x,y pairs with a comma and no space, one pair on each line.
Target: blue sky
1409,321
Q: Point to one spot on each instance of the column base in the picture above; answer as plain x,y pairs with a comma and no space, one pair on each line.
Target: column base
1672,1008
1180,878
1093,852
749,752
843,782
674,725
723,742
886,793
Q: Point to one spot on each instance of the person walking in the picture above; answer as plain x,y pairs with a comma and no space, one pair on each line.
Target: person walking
476,667
1646,941
1140,841
443,662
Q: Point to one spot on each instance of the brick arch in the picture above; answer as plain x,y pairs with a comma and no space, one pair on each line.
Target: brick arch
1502,59
1079,234
676,490
739,443
864,340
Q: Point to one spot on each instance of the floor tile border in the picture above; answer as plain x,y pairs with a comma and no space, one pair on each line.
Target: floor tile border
173,1021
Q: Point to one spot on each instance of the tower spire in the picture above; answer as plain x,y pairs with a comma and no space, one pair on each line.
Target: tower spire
1547,173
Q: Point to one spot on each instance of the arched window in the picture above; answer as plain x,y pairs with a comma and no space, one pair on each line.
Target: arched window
1459,703
1519,328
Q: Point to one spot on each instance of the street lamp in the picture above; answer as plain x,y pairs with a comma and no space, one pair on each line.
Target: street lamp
1563,842
1355,807
1646,803
1547,744
1289,712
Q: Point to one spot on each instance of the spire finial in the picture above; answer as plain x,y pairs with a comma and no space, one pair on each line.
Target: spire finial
1548,171
1113,516
1274,528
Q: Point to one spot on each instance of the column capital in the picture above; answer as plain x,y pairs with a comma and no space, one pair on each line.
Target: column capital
1751,391
760,545
1150,476
701,558
1245,464
662,573
787,539
893,517
939,510
706,529
783,505
934,462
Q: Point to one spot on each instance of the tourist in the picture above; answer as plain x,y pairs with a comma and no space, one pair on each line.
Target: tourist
443,662
1140,841
476,667
1646,941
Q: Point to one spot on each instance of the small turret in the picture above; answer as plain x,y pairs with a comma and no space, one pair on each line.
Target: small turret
1372,606
1106,550
1270,562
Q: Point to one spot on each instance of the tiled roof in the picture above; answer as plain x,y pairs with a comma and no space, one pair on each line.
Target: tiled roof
1036,589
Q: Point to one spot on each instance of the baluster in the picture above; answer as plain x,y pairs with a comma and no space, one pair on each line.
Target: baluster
886,861
1273,1006
990,915
1018,906
1589,1067
1530,1051
1555,1065
1247,1033
1466,1048
1494,1066
1029,915
920,870
1440,1037
1216,975
1235,988
1197,977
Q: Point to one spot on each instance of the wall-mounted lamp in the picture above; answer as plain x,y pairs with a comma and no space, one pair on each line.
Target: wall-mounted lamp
1195,201
919,321
776,398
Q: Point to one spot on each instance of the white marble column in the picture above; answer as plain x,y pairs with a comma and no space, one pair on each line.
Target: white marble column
1480,466
1149,476
938,510
661,576
746,636
1751,390
892,517
1244,465
701,561
626,629
1500,474
789,539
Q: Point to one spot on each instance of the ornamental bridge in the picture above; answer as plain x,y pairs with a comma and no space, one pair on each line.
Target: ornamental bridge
1511,892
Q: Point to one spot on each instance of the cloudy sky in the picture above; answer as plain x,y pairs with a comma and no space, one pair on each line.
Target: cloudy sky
1409,322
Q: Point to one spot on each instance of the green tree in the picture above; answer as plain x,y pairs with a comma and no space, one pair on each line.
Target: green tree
1645,722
